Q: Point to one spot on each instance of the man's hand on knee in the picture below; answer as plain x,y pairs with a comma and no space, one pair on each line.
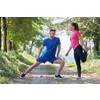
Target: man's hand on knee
59,58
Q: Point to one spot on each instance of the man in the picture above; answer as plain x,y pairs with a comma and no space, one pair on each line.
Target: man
51,43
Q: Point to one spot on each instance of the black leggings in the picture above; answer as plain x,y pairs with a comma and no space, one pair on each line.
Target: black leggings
79,54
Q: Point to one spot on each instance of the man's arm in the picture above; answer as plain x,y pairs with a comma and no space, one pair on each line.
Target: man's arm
40,50
59,48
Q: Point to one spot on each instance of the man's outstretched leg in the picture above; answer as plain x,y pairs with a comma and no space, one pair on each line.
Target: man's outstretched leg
30,68
62,63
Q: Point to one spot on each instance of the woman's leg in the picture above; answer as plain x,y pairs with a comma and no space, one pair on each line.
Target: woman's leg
81,53
77,59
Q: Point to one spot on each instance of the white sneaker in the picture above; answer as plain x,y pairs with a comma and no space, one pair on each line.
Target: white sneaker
78,79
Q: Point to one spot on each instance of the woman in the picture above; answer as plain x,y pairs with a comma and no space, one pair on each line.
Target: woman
79,52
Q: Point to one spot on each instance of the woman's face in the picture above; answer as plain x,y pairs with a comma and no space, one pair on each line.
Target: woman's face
71,27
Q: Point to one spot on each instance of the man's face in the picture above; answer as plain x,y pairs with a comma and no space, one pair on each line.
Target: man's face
52,34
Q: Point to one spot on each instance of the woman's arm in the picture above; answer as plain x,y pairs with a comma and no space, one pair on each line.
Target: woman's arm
83,44
68,50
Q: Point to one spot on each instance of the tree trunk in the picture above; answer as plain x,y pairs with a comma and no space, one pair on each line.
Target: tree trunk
0,35
14,46
9,45
96,44
31,47
5,33
24,47
97,47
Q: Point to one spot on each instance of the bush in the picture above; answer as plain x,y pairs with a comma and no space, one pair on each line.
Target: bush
97,55
11,63
90,66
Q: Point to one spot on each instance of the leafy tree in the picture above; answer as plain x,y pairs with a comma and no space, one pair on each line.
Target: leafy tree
89,28
0,34
19,31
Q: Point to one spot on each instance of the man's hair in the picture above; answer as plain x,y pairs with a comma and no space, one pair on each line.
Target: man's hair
52,30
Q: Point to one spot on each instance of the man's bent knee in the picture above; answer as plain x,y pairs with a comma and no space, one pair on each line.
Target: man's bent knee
62,62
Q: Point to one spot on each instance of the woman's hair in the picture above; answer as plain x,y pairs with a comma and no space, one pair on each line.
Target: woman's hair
76,26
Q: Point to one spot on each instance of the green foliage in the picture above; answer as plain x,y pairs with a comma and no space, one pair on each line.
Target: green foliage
89,28
97,55
23,29
26,56
91,66
12,63
71,64
3,79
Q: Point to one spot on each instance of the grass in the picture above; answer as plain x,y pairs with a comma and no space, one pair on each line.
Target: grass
50,67
91,66
3,79
12,63
50,70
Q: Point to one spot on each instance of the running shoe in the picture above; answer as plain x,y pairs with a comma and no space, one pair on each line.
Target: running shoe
78,79
22,76
58,77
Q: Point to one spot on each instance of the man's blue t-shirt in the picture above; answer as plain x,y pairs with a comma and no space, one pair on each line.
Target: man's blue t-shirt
51,47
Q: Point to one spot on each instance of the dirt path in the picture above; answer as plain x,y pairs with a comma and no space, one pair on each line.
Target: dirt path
41,75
